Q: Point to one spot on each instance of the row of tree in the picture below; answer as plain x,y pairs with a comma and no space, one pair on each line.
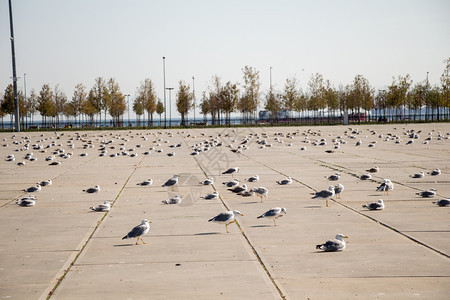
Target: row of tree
222,99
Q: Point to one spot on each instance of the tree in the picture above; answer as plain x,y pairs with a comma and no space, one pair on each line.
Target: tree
273,104
445,85
250,101
60,100
32,104
160,110
115,101
362,94
204,107
8,101
316,89
147,94
78,99
99,100
89,108
46,106
290,94
229,96
138,108
184,100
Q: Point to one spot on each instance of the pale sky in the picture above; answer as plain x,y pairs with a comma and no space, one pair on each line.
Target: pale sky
67,42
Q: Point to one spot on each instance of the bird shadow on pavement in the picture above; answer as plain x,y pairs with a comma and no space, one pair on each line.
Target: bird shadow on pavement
313,206
259,226
207,233
250,202
123,245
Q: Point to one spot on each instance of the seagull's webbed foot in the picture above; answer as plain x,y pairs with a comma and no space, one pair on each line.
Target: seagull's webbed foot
143,241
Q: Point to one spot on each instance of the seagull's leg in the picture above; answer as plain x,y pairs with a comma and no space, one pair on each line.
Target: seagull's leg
137,241
143,241
226,227
327,202
275,223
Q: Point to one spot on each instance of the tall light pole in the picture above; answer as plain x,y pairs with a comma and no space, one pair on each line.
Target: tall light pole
128,102
25,91
193,94
165,107
13,57
170,105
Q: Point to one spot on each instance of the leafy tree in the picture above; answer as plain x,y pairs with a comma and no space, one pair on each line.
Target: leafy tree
138,108
204,106
115,101
8,101
32,103
88,108
229,96
146,92
290,94
60,100
250,101
316,89
445,85
99,100
273,104
78,99
362,94
159,110
46,106
331,97
184,100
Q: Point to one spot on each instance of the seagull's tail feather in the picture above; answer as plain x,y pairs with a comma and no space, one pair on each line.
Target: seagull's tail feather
365,206
261,216
210,220
125,237
92,208
319,246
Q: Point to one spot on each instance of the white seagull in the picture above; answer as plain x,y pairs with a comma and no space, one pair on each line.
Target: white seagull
285,181
273,213
106,206
386,186
379,205
139,231
261,192
226,218
324,194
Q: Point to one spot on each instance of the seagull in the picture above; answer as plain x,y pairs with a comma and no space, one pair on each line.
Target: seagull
338,244
213,195
365,176
33,189
386,186
174,200
232,183
285,181
106,206
45,182
171,182
246,193
421,174
442,202
333,177
338,189
27,201
324,194
226,218
253,178
273,213
231,171
261,192
435,172
373,170
239,189
208,181
55,163
146,182
139,231
375,205
91,190
427,194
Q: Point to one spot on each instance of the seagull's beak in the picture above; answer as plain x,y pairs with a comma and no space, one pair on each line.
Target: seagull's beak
345,237
242,214
150,221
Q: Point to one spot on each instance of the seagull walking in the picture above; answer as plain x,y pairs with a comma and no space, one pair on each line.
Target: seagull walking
338,244
338,189
273,213
260,192
171,182
324,194
226,218
139,231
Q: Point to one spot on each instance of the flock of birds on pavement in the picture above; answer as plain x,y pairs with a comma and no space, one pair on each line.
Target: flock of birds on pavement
109,142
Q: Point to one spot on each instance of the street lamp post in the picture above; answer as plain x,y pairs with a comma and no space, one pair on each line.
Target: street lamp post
193,95
13,57
164,75
128,102
170,105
